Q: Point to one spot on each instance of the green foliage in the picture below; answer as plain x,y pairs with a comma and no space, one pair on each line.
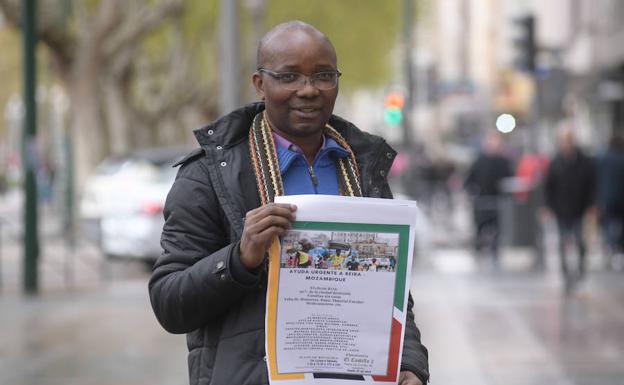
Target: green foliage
155,45
364,32
90,5
200,19
200,36
10,67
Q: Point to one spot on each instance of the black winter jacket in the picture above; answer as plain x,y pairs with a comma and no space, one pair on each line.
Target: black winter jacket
570,186
199,285
485,175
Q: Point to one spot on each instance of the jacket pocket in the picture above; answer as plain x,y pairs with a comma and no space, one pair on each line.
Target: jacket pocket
240,360
200,363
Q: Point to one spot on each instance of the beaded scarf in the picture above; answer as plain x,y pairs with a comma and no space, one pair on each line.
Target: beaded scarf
266,165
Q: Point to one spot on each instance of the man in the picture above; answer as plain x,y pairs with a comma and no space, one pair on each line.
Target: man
569,190
484,185
210,281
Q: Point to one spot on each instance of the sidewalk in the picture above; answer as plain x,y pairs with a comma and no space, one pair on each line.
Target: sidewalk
482,326
105,335
514,326
510,324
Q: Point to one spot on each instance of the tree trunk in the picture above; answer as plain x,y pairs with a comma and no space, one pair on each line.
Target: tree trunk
118,117
86,123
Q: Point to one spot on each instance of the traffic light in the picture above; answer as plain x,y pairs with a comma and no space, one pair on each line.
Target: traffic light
393,108
526,47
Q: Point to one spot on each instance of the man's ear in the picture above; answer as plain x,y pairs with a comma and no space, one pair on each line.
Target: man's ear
258,83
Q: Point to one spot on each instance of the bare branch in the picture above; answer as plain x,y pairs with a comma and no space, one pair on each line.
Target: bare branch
107,17
11,11
50,28
143,22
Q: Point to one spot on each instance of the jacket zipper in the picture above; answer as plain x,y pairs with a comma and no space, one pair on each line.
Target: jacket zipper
313,177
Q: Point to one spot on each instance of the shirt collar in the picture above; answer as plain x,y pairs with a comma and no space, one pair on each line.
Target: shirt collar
287,151
280,141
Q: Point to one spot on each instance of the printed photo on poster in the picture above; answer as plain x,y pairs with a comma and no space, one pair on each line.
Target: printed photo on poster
340,250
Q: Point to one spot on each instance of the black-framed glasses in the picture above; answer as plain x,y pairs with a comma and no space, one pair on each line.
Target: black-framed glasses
294,81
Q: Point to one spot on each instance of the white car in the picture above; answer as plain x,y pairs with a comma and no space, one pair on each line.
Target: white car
121,207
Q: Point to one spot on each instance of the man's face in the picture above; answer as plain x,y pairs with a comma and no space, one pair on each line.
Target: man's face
302,113
566,142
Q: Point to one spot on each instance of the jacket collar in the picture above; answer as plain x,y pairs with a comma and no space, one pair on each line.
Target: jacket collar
230,129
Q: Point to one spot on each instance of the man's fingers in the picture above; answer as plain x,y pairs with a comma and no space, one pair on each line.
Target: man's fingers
266,222
282,210
273,206
267,234
261,225
253,246
277,209
408,378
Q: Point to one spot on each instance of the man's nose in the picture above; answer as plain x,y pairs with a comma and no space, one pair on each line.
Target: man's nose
308,89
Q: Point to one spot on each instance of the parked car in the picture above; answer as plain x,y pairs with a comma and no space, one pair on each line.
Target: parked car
121,206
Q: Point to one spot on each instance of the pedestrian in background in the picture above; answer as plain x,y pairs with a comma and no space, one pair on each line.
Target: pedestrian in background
569,191
610,200
530,173
483,184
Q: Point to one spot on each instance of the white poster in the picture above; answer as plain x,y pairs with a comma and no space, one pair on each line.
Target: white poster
338,287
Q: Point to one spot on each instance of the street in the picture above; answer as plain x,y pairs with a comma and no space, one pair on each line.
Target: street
481,328
92,322
516,327
502,120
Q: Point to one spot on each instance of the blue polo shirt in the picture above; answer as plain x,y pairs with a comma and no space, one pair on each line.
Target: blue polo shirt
299,177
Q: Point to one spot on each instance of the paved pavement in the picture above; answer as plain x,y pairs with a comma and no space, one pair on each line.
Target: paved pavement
513,326
97,336
92,323
482,327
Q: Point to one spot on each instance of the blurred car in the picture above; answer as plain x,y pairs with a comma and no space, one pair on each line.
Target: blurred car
121,206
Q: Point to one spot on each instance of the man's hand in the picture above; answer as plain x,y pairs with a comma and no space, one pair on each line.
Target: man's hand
544,214
593,214
408,378
261,225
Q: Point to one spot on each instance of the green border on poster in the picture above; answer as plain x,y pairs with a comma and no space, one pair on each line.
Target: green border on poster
402,230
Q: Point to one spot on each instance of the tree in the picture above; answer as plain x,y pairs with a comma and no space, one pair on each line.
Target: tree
126,68
139,73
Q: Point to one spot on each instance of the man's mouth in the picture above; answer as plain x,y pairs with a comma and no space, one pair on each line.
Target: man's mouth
307,113
306,109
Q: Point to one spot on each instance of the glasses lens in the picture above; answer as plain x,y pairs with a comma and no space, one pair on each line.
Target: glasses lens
325,80
294,81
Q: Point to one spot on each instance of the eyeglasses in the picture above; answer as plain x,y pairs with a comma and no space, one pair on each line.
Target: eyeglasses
294,81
